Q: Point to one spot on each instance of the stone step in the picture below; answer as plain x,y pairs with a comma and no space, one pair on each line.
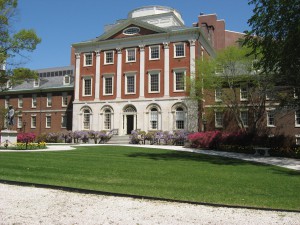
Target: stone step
124,139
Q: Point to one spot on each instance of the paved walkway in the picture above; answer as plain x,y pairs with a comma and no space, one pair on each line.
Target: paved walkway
289,163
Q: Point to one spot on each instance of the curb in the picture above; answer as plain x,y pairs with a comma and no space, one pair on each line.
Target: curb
94,192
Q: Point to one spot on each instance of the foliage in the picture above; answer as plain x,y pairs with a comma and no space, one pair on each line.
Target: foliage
230,71
26,137
274,34
14,43
30,146
208,139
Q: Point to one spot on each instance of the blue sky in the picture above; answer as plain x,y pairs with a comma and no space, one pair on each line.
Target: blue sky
62,22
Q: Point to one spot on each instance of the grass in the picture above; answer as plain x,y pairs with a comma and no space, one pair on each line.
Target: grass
158,173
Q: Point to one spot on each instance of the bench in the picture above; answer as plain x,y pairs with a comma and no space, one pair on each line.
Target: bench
264,149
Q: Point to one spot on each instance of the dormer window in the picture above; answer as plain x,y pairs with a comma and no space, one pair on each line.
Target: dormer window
8,84
67,80
131,31
36,83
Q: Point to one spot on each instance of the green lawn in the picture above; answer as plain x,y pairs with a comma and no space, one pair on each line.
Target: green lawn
158,173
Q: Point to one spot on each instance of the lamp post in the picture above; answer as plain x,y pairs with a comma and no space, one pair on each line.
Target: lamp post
24,125
204,121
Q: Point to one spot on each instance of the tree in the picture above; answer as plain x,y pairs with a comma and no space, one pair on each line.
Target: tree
14,43
275,32
231,80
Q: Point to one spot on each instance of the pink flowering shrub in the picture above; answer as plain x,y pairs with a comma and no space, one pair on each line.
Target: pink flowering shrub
208,139
25,137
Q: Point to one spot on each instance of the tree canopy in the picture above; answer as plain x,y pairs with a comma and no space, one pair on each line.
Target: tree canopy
274,34
14,43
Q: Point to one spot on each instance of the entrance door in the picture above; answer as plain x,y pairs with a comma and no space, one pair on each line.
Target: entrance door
130,125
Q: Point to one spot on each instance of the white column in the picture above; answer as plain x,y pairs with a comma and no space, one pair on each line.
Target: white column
119,73
97,83
77,76
166,69
192,58
142,70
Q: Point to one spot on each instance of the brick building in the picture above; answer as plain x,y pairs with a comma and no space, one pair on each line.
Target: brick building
43,105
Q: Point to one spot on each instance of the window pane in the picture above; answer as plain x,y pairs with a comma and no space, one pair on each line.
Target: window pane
108,85
130,84
154,52
87,87
130,55
179,50
109,57
154,82
179,81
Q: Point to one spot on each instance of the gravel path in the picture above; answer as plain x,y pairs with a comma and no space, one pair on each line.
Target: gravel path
28,205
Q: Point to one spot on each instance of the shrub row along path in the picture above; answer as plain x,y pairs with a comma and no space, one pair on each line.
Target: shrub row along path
30,205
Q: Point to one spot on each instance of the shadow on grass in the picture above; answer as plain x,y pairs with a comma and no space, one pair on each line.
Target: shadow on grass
185,156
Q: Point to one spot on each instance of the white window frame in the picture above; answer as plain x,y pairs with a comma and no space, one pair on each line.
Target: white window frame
183,112
150,73
245,122
175,79
49,100
107,120
126,83
86,122
64,99
218,94
150,52
20,101
33,121
84,79
219,121
69,80
297,118
175,49
64,121
34,101
151,120
297,136
269,111
244,92
105,57
127,55
36,82
106,76
20,121
48,121
88,54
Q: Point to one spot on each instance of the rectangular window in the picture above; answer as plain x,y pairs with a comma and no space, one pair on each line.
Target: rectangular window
48,121
244,118
108,57
244,92
271,118
67,80
297,139
20,101
130,55
49,100
108,84
20,122
179,80
219,119
63,121
297,118
218,94
33,121
33,101
130,83
36,83
154,119
180,114
154,52
87,86
64,99
153,82
6,103
179,50
107,121
88,59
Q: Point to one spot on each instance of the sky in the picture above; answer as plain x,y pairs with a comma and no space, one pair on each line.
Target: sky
60,23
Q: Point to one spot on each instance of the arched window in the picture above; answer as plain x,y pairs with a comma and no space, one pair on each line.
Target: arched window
107,119
180,118
86,119
154,119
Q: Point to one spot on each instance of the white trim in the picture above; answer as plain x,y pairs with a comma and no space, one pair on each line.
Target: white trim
83,85
150,51
216,124
149,81
267,111
62,120
175,71
31,121
20,100
104,84
20,120
97,79
105,57
49,100
84,59
297,124
142,71
119,73
34,101
46,118
166,70
127,61
184,49
77,76
126,86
